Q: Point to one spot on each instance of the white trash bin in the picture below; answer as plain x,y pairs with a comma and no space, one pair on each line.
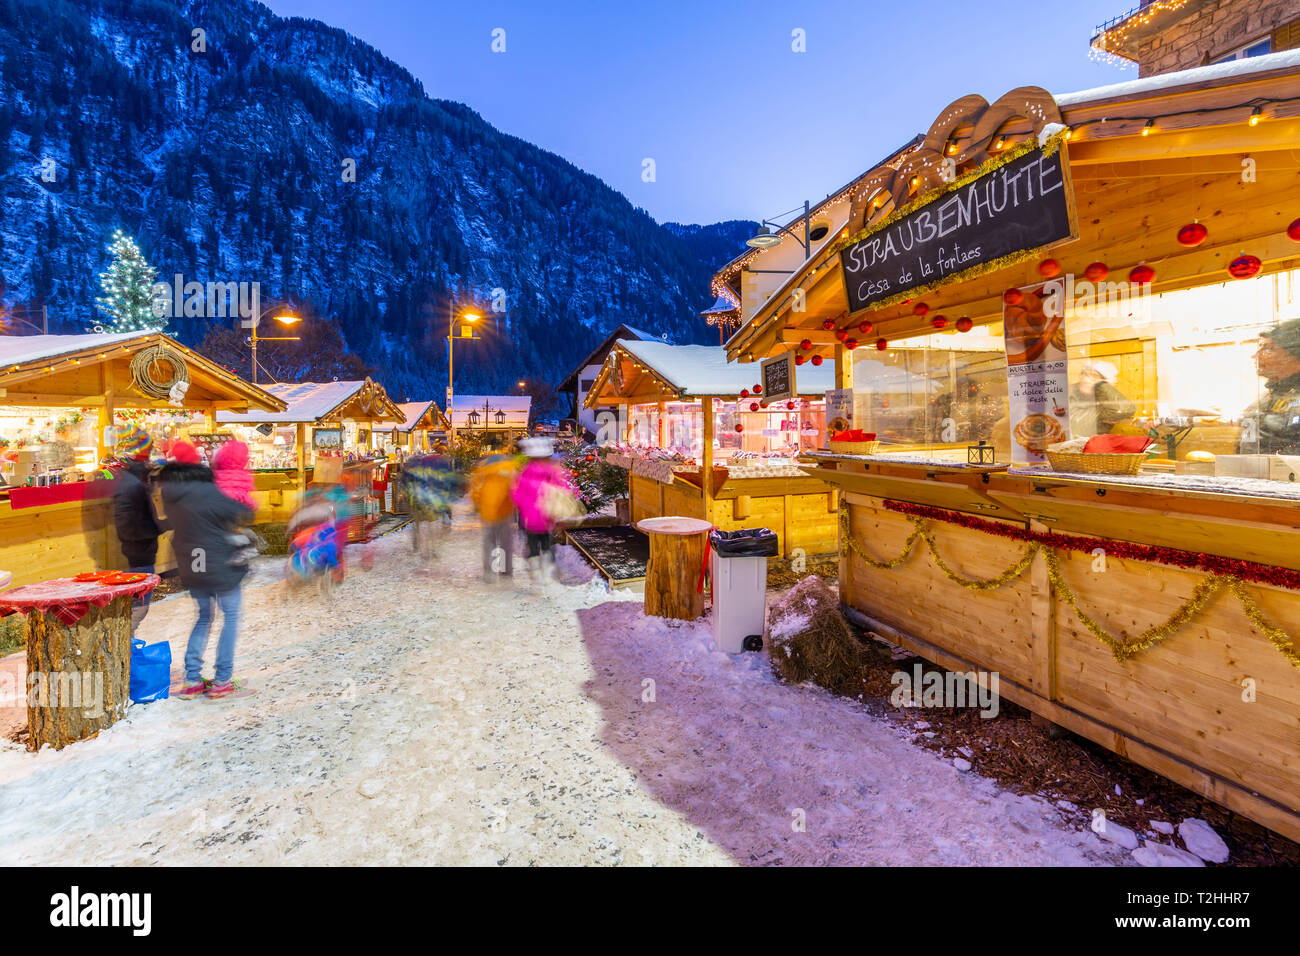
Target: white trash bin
739,601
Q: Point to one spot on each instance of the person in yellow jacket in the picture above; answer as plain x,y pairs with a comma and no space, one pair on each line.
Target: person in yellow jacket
489,489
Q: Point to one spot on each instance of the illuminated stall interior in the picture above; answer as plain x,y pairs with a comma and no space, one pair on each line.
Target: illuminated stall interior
425,426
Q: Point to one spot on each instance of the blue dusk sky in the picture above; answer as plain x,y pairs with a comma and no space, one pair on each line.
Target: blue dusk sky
739,125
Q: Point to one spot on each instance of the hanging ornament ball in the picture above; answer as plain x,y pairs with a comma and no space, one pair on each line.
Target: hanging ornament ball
806,344
842,334
1293,231
1096,271
757,389
964,324
939,322
817,360
851,344
828,324
799,360
920,308
865,328
881,344
1141,274
740,428
1013,297
753,406
789,406
744,393
590,458
1192,234
1049,268
1243,267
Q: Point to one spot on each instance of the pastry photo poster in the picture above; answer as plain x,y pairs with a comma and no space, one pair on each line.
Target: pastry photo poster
1037,373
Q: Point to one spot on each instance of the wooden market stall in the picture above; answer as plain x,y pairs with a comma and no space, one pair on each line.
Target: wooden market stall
323,425
678,413
58,398
425,426
1136,250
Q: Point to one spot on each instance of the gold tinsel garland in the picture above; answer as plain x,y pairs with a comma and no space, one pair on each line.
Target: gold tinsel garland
1205,592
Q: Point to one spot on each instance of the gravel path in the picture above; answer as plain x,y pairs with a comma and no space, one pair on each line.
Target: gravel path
421,716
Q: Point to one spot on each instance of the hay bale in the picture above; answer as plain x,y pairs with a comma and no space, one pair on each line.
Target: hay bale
809,640
275,534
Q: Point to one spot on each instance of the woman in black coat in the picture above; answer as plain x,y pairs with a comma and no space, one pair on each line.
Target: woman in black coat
204,524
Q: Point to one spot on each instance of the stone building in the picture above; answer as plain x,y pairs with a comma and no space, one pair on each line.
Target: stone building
1163,36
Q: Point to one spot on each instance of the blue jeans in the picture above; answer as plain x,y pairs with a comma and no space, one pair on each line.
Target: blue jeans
229,601
140,605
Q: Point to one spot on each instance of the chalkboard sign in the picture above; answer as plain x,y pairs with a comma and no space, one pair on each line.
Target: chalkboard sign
1021,205
777,375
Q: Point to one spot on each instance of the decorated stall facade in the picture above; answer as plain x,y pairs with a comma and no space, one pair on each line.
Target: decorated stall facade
702,438
61,397
425,425
1124,548
324,429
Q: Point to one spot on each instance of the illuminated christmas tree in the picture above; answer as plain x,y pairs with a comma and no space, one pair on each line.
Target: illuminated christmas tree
128,289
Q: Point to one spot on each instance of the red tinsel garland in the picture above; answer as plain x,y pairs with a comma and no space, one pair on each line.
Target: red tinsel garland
1154,554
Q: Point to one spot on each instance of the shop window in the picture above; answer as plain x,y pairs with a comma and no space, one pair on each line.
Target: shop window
1254,48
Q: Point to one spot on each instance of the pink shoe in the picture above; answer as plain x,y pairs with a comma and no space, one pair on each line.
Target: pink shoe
190,691
217,691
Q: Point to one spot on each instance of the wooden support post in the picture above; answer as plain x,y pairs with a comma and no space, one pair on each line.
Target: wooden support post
301,442
210,419
843,367
663,426
706,459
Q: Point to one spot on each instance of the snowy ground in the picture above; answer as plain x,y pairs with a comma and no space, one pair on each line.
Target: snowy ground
422,716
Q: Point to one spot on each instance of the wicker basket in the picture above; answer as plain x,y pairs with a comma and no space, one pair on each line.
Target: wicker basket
853,447
1096,463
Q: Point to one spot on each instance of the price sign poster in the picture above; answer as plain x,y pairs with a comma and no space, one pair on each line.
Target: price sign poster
1037,374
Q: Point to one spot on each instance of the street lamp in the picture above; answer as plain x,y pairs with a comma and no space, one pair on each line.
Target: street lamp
765,238
466,332
284,318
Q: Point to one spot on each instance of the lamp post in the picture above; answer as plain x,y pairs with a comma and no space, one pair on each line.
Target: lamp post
285,318
468,317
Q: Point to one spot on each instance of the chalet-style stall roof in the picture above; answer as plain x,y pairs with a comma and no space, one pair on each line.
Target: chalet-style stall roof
570,383
107,369
315,402
420,416
1215,144
638,373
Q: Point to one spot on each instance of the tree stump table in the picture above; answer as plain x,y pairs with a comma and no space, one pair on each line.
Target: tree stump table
677,548
78,655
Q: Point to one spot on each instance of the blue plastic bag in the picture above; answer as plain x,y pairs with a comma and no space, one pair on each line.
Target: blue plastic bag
151,671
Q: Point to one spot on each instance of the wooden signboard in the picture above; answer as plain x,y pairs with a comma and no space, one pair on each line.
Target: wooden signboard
777,375
1018,206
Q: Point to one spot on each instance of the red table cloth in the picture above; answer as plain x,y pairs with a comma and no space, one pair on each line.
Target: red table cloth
69,600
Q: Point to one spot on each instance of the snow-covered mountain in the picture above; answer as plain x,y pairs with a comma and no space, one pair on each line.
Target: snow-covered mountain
228,155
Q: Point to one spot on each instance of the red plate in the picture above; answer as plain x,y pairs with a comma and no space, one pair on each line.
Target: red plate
93,576
124,578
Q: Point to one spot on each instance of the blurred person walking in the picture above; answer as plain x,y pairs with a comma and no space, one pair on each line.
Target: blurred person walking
136,519
489,488
544,495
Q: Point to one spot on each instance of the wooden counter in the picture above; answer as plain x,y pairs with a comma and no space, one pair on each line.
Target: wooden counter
1213,704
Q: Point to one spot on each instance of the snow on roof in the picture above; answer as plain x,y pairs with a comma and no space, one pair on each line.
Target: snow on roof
515,407
1168,81
413,411
21,349
643,335
704,370
721,304
307,401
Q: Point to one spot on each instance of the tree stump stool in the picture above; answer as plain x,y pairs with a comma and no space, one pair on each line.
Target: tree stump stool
78,656
677,549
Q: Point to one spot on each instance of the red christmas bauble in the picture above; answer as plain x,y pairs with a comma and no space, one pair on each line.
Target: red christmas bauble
806,344
590,458
1243,267
744,393
1141,275
920,308
740,428
817,360
964,324
757,389
799,359
851,344
1192,234
789,406
1013,297
881,344
1293,231
828,324
865,328
753,406
1049,268
1096,271
939,322
842,334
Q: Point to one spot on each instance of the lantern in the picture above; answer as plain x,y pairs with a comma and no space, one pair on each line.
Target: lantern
1192,234
964,324
1244,266
981,454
